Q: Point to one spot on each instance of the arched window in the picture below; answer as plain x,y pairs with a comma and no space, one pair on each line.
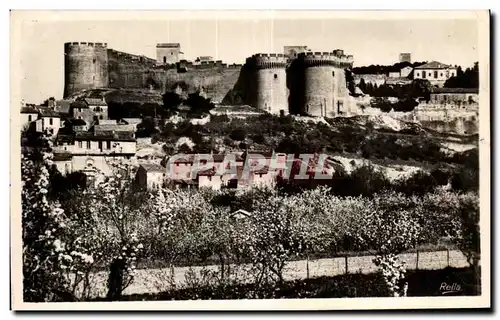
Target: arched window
164,59
333,73
93,60
275,76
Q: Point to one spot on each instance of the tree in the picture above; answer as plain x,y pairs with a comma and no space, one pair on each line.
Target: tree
110,225
44,230
238,134
467,79
391,228
146,128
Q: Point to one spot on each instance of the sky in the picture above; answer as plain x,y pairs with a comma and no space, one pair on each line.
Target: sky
370,41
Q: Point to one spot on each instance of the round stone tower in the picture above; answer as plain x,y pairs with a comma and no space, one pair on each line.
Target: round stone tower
323,85
319,83
270,82
85,66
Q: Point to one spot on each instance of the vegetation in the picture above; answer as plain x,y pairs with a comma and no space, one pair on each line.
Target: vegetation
465,79
119,227
381,69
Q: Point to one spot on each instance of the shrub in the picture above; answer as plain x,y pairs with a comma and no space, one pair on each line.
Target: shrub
238,134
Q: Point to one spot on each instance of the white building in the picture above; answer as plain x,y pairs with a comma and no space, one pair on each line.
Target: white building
28,115
48,119
436,72
150,176
92,151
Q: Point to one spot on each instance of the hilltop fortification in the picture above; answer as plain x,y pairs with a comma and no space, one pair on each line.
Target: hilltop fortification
310,83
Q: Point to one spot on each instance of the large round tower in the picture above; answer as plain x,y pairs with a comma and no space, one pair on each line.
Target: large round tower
319,83
85,66
270,82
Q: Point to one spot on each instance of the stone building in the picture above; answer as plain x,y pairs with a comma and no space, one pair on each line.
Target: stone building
457,96
168,53
91,151
405,57
89,110
150,176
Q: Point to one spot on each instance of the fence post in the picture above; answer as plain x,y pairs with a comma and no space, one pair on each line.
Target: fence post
448,256
346,266
416,266
307,266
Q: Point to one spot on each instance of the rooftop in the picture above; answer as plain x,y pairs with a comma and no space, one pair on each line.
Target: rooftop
29,109
62,106
434,65
113,127
77,122
132,120
455,90
105,136
48,112
95,102
153,167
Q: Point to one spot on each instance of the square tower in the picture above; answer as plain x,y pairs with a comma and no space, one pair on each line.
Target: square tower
405,57
168,53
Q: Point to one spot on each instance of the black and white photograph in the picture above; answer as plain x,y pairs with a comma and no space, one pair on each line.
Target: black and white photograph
250,160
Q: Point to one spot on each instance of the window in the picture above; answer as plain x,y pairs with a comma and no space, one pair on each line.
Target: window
424,75
333,73
418,74
435,74
164,59
171,53
100,145
441,74
50,121
430,74
80,144
275,76
29,118
93,77
88,144
108,144
101,117
93,60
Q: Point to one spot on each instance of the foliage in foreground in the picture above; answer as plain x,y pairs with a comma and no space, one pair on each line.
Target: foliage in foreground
112,226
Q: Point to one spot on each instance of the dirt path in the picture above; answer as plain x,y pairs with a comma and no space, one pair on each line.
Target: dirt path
157,280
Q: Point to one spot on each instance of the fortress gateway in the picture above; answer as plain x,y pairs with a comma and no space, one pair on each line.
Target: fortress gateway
308,83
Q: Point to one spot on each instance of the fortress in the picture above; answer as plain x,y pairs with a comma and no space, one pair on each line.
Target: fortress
298,81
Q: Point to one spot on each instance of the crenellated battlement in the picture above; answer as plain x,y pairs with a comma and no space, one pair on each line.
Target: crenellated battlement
336,59
89,44
268,60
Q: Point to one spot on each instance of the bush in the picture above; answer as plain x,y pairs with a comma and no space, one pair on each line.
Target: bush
238,134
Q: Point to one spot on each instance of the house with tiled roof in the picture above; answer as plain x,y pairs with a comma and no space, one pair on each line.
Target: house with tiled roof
150,176
28,115
91,110
91,150
436,72
63,107
131,121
